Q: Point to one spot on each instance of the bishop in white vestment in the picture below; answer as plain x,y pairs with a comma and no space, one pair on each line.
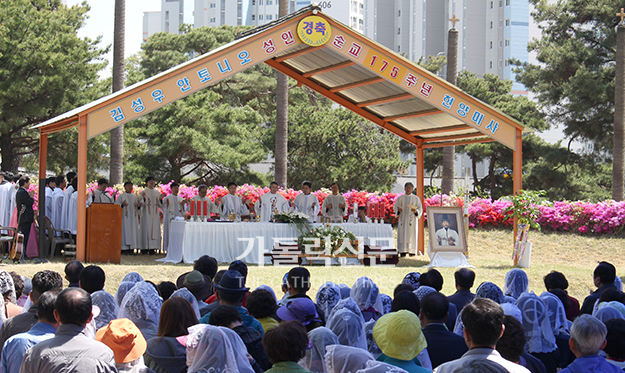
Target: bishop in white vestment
306,202
130,205
232,204
150,217
408,210
271,203
173,206
334,206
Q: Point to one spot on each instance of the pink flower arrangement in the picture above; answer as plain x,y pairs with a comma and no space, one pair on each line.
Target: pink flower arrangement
607,217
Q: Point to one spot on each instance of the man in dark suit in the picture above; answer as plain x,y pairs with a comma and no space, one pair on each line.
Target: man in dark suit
603,277
443,345
464,282
24,200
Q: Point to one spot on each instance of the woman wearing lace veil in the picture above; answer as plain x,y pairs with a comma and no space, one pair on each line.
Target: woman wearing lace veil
328,295
107,305
541,341
367,295
348,325
346,359
215,349
7,288
516,283
142,305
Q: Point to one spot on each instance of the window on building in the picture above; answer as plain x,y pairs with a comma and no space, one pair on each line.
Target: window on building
507,42
253,2
253,17
491,45
211,5
269,2
260,2
507,2
167,15
499,64
212,20
269,17
398,48
399,13
399,31
500,43
490,64
260,17
506,62
507,21
354,22
491,25
500,23
491,5
500,3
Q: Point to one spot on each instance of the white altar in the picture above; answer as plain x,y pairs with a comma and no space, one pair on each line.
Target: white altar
248,241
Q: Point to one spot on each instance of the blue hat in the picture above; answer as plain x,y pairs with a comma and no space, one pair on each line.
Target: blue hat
232,282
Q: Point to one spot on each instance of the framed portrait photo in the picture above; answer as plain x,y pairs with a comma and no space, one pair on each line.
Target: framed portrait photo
446,229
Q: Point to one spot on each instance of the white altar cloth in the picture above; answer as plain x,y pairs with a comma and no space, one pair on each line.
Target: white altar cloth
248,241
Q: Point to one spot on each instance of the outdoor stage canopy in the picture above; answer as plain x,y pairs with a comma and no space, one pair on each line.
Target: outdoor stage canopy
330,58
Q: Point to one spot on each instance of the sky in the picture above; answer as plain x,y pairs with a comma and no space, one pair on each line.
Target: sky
101,23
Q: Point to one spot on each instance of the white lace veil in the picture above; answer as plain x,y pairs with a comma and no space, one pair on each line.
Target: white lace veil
349,328
314,360
141,303
345,290
372,347
380,367
348,303
367,294
557,313
328,295
387,303
540,337
108,308
608,313
123,288
269,289
516,283
6,285
186,294
345,359
423,290
132,277
215,349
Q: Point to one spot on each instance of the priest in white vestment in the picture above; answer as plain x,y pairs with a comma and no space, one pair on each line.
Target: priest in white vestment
50,186
65,212
5,201
408,210
232,204
334,206
447,236
100,195
202,196
306,202
57,201
173,206
130,205
151,200
271,203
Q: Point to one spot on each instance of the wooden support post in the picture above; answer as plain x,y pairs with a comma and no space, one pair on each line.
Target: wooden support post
421,195
81,221
517,173
43,158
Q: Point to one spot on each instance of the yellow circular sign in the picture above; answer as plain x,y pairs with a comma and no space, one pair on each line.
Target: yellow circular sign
314,30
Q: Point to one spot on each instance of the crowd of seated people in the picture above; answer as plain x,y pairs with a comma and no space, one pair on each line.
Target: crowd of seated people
211,321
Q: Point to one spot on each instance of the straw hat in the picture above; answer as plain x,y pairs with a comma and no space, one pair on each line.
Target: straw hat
124,338
398,334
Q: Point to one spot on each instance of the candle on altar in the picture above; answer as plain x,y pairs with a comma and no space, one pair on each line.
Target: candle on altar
205,209
375,210
355,208
192,208
370,210
383,210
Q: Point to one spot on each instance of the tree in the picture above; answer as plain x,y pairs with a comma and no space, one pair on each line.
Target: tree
574,80
45,69
282,112
117,133
329,145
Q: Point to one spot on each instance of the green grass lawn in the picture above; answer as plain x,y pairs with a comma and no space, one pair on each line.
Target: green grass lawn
490,252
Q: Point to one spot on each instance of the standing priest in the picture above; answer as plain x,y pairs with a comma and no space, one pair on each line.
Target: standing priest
130,218
306,202
173,206
408,210
151,200
202,196
271,203
334,206
232,204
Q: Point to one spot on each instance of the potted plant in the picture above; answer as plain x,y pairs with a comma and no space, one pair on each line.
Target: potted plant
524,209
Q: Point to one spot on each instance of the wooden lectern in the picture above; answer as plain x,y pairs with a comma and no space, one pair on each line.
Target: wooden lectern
104,233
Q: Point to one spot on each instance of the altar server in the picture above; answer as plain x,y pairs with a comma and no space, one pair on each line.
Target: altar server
67,195
232,204
271,203
100,195
306,202
130,205
151,200
57,202
173,206
202,191
408,210
334,206
50,185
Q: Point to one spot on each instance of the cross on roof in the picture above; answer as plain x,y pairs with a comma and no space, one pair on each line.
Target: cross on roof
454,20
621,14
